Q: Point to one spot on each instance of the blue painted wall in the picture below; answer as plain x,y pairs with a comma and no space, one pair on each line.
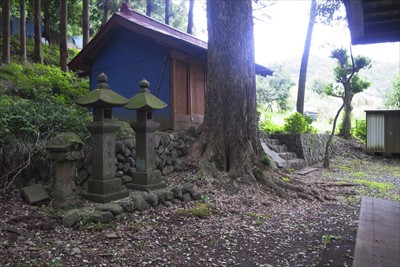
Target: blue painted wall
127,58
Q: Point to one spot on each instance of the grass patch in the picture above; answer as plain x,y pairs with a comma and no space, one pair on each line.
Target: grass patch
285,179
201,210
344,168
327,239
359,174
260,218
380,186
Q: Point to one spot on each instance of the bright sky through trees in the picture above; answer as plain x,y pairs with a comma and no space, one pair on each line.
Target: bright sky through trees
281,35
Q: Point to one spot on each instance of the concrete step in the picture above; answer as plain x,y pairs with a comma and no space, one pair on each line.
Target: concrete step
288,155
296,164
272,142
278,148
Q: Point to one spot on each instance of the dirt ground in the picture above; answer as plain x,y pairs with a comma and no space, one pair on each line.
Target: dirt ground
245,229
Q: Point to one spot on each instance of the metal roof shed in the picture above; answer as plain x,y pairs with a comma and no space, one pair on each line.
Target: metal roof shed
383,131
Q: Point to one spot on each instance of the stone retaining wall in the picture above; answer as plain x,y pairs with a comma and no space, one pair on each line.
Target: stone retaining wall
310,147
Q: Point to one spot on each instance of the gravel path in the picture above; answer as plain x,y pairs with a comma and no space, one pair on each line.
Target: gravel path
246,229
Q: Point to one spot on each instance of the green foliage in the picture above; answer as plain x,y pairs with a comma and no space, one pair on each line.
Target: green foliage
124,131
274,90
268,126
360,130
33,120
298,124
37,81
318,86
393,97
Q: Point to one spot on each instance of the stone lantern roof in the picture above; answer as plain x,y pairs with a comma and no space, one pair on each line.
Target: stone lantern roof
102,95
144,99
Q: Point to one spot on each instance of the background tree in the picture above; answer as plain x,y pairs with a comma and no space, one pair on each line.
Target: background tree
22,31
274,90
149,7
37,51
190,17
167,11
349,83
304,59
393,97
325,12
63,35
6,56
318,86
85,22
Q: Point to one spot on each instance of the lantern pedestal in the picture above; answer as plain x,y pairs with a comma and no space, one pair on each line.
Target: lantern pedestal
103,186
146,177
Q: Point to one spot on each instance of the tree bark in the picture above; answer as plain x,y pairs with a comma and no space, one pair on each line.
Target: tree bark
190,17
37,51
105,14
22,31
149,7
231,90
167,13
328,143
85,22
6,55
63,35
304,59
346,125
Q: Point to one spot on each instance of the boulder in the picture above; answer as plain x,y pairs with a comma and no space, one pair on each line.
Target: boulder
186,197
139,203
177,192
114,208
101,216
126,204
71,217
151,198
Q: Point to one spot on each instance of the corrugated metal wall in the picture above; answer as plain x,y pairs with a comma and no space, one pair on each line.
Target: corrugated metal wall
375,133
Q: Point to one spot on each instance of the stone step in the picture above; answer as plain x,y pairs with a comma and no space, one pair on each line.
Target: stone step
288,155
296,164
278,148
272,142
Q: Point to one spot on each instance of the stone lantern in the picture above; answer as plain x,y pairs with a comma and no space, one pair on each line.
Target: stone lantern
103,186
65,149
146,176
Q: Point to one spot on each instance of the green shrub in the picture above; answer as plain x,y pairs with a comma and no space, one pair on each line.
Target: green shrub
360,130
268,126
298,124
34,120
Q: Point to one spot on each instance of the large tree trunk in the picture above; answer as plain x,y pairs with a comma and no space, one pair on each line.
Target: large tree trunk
346,125
304,59
190,17
85,22
37,51
63,35
22,31
6,56
231,90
